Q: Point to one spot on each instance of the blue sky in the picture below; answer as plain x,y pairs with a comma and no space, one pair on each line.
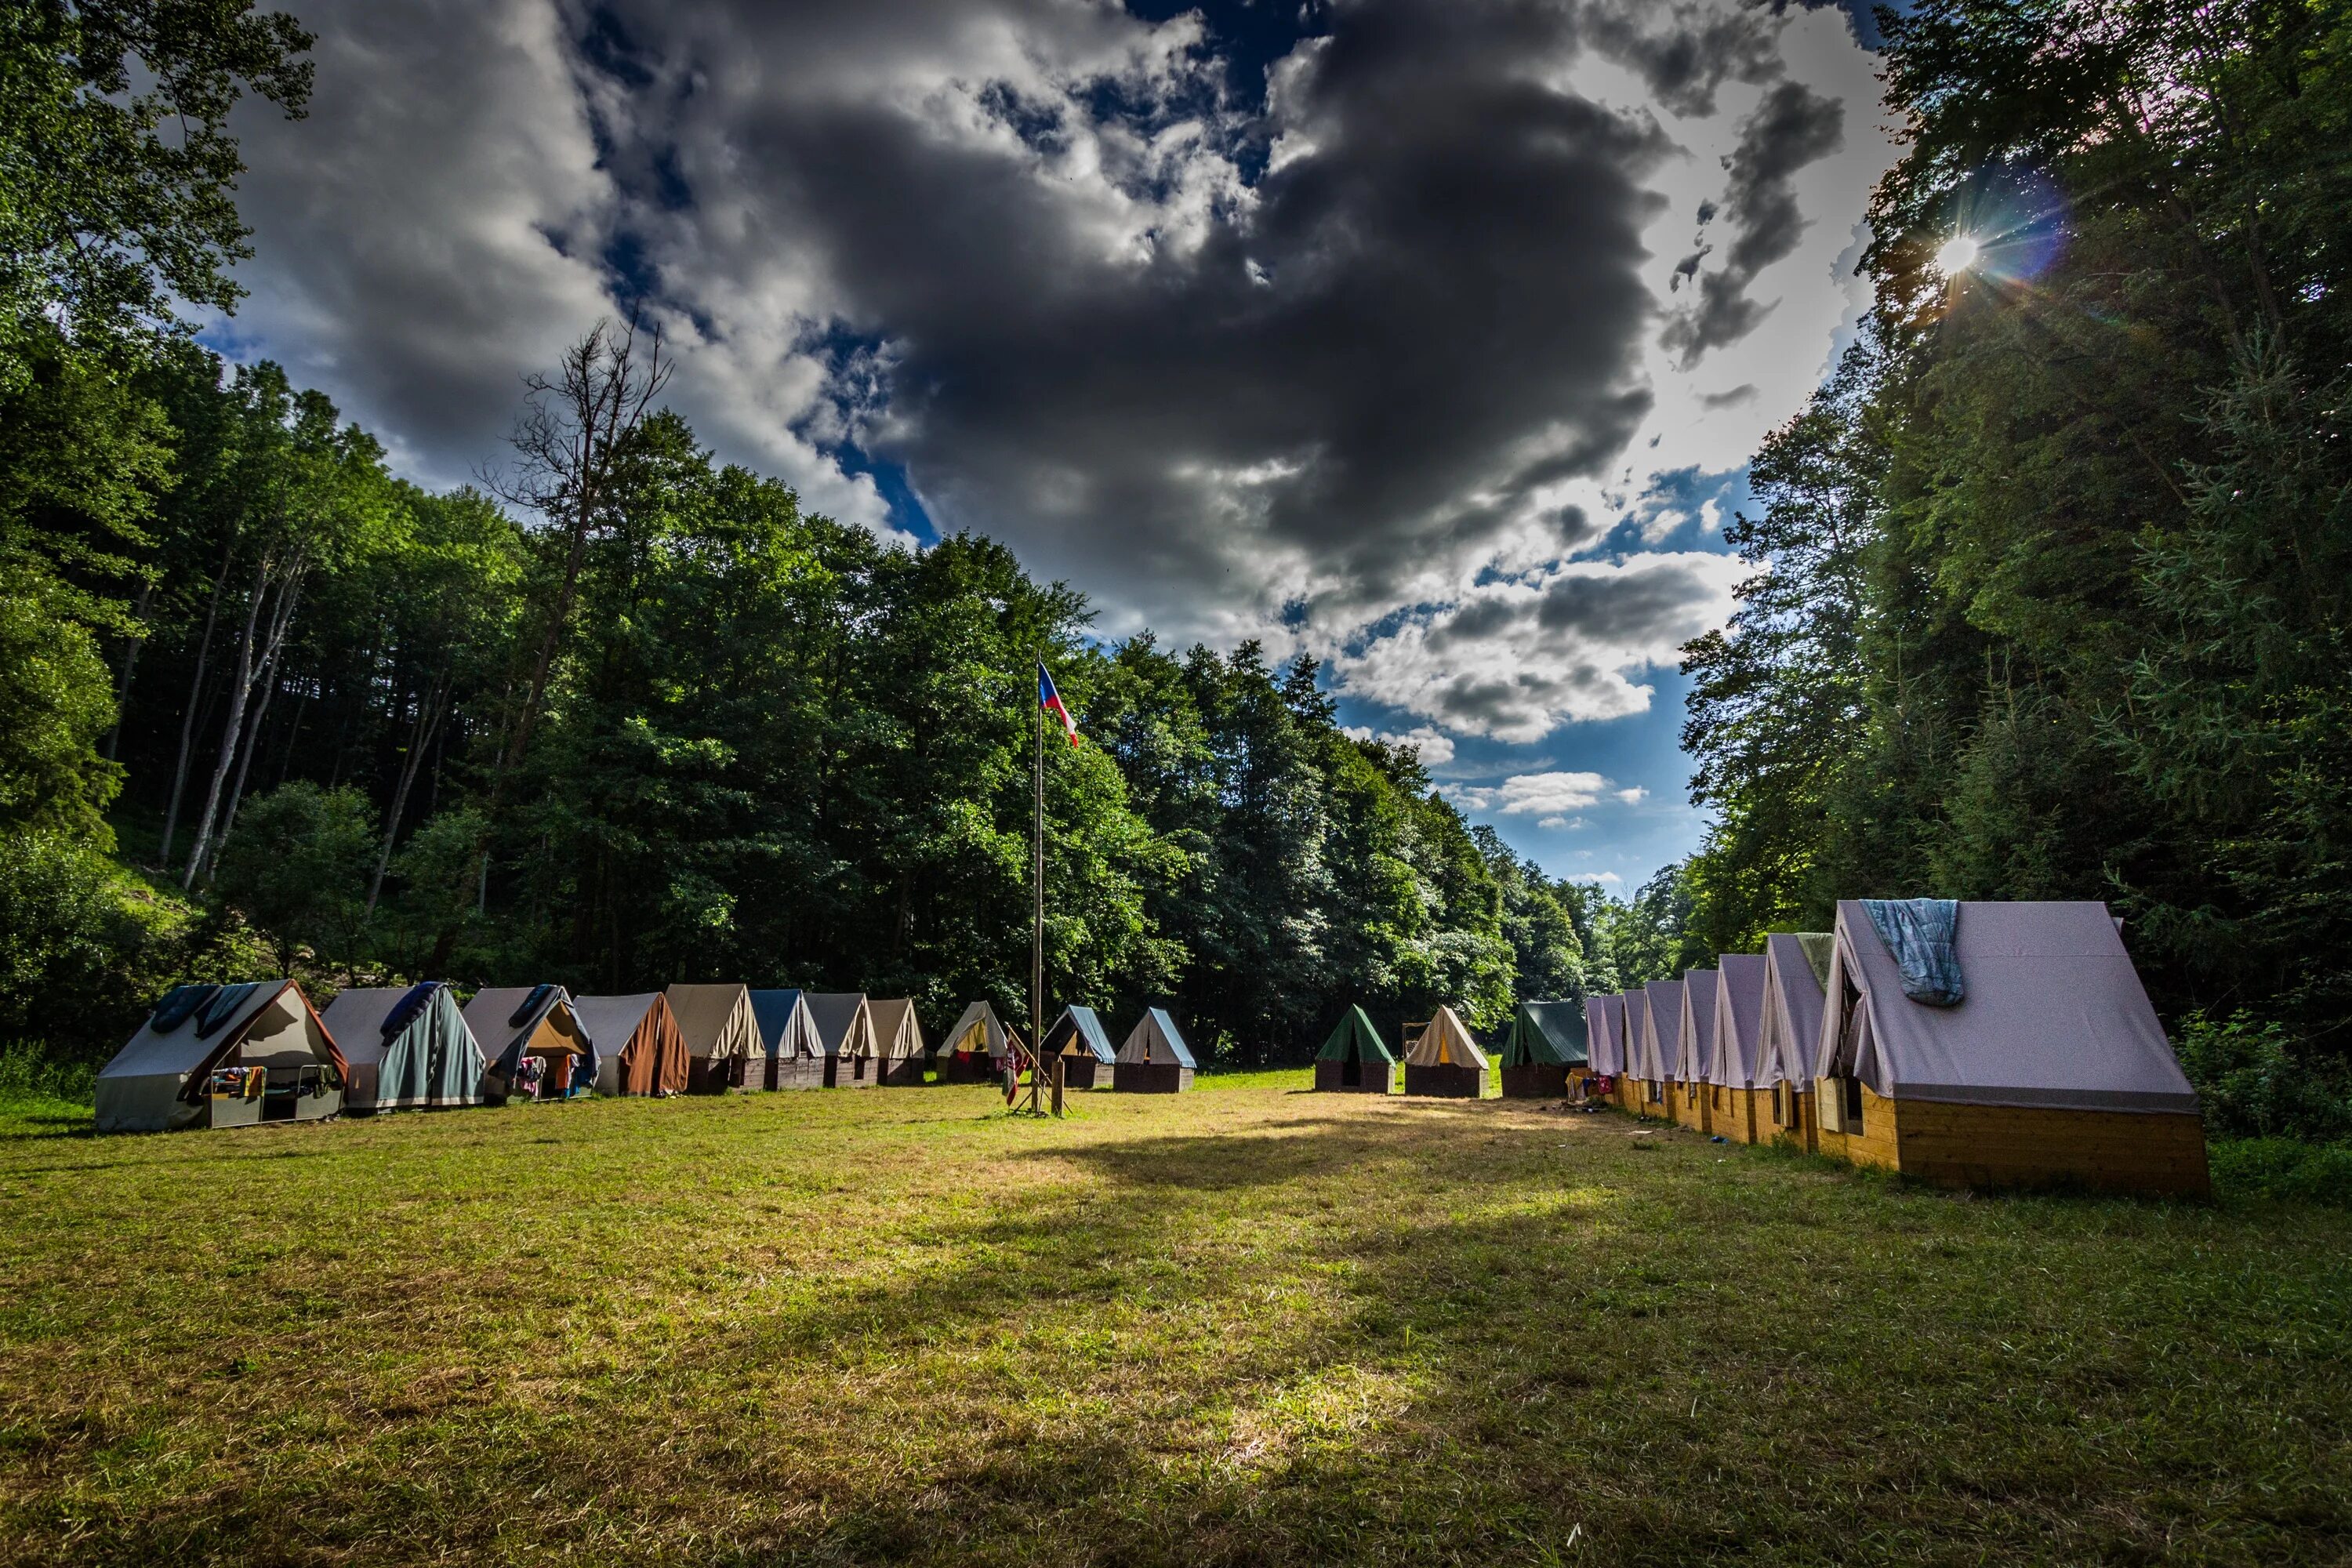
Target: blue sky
1431,338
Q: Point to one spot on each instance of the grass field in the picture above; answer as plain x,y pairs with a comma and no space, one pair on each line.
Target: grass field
1248,1325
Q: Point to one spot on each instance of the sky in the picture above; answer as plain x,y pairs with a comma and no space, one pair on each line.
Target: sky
1431,338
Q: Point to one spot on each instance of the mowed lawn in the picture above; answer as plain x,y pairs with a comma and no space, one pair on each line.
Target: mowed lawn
1247,1325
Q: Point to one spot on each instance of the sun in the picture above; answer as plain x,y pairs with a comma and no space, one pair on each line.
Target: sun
1955,256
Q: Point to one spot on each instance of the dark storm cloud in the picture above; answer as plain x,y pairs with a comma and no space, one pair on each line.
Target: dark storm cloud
1792,128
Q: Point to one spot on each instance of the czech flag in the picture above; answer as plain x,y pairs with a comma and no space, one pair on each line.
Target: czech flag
1050,701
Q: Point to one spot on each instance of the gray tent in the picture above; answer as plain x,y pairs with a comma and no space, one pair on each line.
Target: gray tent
845,1029
224,1056
1079,1039
404,1048
1731,1095
1604,1026
512,1023
1655,1043
1692,1051
1155,1059
795,1054
2054,1068
1795,966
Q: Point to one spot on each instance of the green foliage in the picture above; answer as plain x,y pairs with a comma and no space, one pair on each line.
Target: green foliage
55,700
2287,1170
296,864
70,943
2254,1083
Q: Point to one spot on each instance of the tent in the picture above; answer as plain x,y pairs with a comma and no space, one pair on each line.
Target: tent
977,1049
1795,966
1155,1059
723,1047
639,1050
1547,1049
897,1042
1731,1093
844,1032
514,1021
224,1056
1079,1039
1355,1060
1443,1060
795,1057
1691,1052
1657,1037
2050,1071
1629,1008
405,1048
1604,1033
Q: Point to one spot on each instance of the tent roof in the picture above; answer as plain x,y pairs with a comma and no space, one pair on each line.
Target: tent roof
1604,1033
993,1032
716,1020
1791,1023
898,1032
611,1020
2054,1016
1739,1005
1354,1039
1155,1038
1444,1042
356,1019
223,1019
490,1011
1693,1047
1547,1034
1657,1034
782,1020
1081,1023
836,1016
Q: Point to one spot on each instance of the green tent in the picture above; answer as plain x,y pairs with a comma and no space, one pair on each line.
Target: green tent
1354,1059
1545,1034
408,1047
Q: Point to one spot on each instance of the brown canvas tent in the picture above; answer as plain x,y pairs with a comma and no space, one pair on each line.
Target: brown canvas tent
1443,1061
845,1027
224,1056
976,1049
1657,1038
723,1047
405,1048
1154,1059
1732,1095
1795,966
515,1022
898,1047
638,1048
2052,1068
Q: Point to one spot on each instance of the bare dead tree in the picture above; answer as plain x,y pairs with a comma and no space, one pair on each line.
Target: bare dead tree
575,425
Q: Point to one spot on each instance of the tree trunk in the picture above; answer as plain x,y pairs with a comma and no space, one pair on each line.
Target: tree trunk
428,721
131,646
188,716
272,661
240,690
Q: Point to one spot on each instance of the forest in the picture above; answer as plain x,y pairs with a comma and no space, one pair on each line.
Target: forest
2048,601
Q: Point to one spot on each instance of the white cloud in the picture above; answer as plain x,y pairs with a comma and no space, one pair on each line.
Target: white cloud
1633,795
1604,878
1560,824
1435,746
1528,794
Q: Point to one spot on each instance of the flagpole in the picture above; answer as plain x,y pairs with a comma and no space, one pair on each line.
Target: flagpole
1037,906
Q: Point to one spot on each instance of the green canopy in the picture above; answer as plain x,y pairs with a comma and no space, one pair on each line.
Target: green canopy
1354,1040
1545,1034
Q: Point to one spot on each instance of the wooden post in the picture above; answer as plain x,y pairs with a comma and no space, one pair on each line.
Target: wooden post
1057,1086
1037,890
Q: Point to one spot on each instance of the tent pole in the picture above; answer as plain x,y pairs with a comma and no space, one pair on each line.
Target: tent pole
1037,904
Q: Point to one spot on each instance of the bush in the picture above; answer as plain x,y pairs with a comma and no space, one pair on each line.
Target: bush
28,1074
2255,1084
2283,1168
71,951
297,869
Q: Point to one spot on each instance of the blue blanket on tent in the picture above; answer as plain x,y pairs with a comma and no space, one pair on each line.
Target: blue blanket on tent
1918,932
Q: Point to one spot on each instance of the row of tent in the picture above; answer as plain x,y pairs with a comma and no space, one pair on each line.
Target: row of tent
2047,1068
222,1055
1543,1055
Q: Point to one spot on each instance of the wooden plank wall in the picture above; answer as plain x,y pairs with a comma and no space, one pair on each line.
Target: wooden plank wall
2019,1146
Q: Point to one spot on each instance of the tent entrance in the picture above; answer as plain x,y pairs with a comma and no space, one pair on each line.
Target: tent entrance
1352,1073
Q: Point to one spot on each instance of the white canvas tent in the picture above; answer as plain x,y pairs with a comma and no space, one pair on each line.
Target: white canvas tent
1154,1058
2052,1068
1445,1061
173,1072
975,1047
788,1034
